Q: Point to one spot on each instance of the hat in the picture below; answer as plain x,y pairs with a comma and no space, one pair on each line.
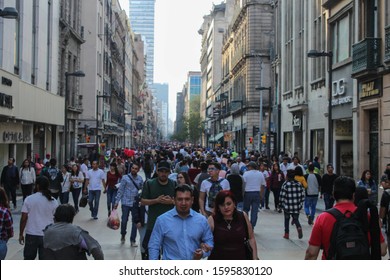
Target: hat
48,155
163,165
252,164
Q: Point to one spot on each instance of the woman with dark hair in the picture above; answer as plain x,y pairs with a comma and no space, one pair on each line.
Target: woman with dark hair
230,228
64,241
182,179
37,213
6,223
113,178
27,178
276,181
237,185
367,182
299,176
76,180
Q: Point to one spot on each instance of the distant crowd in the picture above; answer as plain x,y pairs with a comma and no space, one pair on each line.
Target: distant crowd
191,203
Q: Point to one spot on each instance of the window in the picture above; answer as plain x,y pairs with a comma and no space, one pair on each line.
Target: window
317,144
341,39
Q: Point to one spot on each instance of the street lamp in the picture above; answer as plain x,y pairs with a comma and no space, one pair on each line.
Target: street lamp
241,115
261,117
78,73
124,128
97,119
9,13
316,54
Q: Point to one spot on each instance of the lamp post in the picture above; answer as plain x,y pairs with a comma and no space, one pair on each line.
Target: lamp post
261,117
316,54
241,115
97,119
9,13
78,73
124,128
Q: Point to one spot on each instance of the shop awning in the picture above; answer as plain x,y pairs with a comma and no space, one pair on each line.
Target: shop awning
216,138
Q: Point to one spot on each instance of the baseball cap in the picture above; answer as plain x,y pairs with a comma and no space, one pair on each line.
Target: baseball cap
252,164
163,165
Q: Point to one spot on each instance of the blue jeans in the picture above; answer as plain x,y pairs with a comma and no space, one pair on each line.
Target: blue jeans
126,210
3,249
310,206
64,197
93,201
328,200
111,195
240,205
33,244
252,203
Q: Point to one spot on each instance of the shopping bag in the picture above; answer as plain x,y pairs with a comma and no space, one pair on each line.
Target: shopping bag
113,220
83,200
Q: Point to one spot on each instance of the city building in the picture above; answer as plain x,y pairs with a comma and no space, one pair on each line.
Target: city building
142,22
31,106
161,93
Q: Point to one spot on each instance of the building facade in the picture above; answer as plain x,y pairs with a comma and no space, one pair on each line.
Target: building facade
142,15
31,107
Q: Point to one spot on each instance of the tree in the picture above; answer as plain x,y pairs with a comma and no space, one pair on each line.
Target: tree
193,122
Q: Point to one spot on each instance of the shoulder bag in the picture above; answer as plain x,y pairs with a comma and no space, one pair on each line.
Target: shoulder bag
247,245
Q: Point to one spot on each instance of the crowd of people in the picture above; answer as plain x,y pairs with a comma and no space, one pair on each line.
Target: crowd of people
193,203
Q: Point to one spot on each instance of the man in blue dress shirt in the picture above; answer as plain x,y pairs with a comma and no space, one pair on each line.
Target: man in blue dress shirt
182,233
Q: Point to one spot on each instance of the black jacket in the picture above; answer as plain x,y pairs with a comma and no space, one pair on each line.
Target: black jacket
7,180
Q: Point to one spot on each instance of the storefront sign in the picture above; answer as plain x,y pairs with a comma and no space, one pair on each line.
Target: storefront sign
338,91
6,100
15,133
370,89
297,122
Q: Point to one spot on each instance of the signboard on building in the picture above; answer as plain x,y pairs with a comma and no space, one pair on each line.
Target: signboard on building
15,133
297,121
370,89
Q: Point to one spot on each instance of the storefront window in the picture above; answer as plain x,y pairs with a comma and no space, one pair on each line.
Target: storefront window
288,149
317,145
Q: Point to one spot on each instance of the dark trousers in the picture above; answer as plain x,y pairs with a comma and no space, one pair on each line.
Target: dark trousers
295,218
276,193
11,193
27,190
33,245
76,195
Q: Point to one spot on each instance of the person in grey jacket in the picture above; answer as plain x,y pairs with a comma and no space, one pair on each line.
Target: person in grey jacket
65,241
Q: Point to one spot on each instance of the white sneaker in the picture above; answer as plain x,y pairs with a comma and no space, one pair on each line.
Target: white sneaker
133,244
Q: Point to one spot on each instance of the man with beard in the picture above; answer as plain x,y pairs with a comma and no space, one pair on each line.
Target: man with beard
157,194
182,233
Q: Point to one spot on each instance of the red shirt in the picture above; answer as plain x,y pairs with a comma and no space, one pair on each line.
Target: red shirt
323,226
112,179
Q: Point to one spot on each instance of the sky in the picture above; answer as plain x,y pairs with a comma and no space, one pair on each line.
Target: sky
177,42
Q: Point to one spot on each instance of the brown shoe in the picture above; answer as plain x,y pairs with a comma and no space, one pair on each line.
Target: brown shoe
286,236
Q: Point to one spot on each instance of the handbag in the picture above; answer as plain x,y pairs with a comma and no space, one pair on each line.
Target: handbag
83,200
247,245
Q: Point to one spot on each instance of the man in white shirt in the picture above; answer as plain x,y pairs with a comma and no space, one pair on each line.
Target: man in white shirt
295,163
84,169
210,187
284,166
254,191
37,212
95,180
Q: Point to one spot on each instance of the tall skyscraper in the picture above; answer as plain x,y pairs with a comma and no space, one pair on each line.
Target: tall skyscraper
142,22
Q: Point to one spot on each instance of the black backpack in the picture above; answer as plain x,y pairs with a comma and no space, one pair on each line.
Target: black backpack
349,238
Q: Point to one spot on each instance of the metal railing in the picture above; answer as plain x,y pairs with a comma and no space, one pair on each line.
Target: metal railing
366,55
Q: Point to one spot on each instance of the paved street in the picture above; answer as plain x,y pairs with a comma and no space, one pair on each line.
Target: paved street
268,231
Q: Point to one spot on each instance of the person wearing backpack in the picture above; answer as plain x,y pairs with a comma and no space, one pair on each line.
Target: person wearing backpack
312,191
55,178
384,212
210,188
364,241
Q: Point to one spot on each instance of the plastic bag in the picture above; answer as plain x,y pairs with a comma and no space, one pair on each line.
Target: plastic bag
113,220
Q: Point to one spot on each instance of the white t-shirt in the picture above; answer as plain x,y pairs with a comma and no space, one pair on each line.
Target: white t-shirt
206,185
95,179
40,213
84,169
253,180
65,185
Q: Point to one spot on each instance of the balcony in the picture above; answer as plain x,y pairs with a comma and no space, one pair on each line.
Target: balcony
387,45
366,57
